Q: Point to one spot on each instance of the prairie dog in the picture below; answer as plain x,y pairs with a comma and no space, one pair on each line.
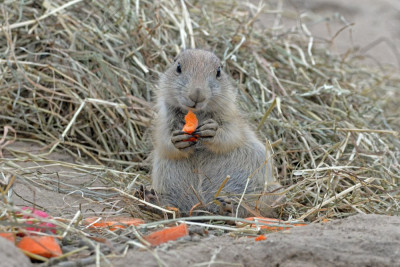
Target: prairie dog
184,172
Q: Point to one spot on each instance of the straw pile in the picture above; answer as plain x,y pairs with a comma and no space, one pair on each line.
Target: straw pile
79,76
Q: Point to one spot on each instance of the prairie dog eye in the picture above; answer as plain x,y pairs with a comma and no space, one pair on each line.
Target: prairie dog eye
179,68
219,72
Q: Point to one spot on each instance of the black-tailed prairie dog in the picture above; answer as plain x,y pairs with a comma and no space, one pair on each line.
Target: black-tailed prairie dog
186,173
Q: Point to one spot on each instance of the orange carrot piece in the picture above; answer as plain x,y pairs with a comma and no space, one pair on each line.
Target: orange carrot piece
165,235
8,236
299,224
194,207
191,139
260,238
267,221
191,123
45,246
273,221
113,223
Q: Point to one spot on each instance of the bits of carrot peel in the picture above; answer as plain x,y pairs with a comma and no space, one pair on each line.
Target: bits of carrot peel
8,236
260,238
165,235
45,246
275,224
112,223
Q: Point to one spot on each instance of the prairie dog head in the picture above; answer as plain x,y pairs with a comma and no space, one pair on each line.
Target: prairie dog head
196,81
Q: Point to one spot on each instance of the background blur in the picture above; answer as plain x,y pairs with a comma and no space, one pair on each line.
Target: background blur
370,27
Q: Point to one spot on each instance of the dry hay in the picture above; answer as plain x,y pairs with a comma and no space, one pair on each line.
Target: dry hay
79,76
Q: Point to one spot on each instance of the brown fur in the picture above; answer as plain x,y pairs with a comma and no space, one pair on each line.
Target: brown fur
185,172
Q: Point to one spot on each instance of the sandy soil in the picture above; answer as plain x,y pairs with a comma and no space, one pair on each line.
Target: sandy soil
10,256
369,27
362,240
56,194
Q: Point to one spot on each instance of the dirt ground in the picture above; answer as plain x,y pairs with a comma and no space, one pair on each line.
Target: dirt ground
56,194
369,27
10,256
362,240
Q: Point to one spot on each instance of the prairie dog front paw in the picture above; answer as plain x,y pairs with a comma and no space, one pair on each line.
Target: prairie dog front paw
207,129
182,140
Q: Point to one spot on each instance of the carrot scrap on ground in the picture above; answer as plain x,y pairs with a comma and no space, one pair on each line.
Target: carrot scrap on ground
112,223
8,236
172,208
298,224
273,223
193,208
168,234
45,246
43,225
260,238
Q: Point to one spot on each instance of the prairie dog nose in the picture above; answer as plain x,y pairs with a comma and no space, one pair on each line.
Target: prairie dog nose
197,96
